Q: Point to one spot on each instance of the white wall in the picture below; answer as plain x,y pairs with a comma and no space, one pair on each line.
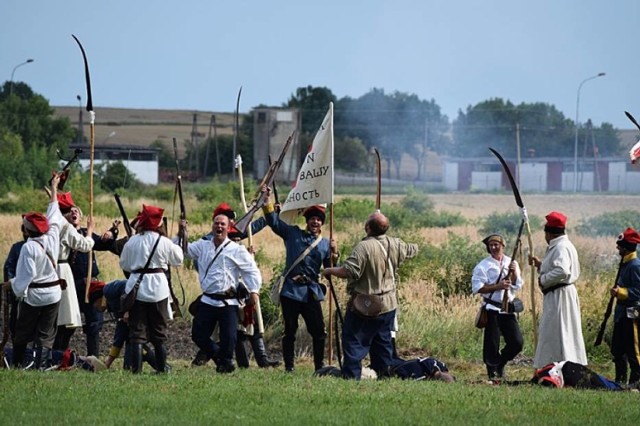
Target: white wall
486,181
450,175
145,171
533,177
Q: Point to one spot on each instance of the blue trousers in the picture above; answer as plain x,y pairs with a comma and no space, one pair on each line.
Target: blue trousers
362,336
205,321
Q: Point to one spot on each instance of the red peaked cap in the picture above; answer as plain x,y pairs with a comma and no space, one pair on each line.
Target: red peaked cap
96,290
35,222
65,201
630,236
317,211
150,217
556,220
225,209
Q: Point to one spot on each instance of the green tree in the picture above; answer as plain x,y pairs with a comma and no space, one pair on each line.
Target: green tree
540,127
313,103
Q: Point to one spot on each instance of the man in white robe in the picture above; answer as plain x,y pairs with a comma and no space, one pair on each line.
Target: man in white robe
560,332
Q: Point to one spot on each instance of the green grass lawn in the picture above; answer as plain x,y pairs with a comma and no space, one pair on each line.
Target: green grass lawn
257,396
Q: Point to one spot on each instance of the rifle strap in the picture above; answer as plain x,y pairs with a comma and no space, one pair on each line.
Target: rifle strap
302,256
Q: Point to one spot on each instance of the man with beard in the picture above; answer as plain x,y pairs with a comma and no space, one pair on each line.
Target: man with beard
222,263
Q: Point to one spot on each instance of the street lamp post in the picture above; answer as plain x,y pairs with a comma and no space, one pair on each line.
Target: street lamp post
28,61
575,147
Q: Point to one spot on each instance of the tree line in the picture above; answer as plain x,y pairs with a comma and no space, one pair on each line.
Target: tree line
396,123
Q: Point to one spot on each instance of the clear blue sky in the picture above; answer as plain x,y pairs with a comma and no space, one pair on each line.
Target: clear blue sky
195,54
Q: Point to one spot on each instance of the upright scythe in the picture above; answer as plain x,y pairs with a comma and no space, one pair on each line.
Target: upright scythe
236,126
525,218
379,171
92,139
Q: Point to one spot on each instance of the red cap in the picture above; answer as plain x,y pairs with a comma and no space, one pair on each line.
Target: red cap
65,201
95,290
629,235
35,222
556,220
150,218
225,209
317,211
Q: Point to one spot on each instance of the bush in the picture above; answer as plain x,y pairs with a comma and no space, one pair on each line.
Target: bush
609,224
507,225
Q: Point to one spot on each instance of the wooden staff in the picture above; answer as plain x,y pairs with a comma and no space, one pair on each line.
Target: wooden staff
92,139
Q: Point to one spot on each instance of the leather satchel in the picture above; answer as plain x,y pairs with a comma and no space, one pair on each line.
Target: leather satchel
482,318
367,305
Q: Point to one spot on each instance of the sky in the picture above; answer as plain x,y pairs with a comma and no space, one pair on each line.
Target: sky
196,54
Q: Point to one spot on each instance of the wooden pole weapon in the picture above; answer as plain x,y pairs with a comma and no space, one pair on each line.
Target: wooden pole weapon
245,208
92,116
236,120
379,171
525,218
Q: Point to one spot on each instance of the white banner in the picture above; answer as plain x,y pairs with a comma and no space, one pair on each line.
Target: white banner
314,184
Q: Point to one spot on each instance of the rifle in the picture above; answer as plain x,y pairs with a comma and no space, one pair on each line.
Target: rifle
175,305
125,220
64,173
275,190
182,233
505,296
261,197
607,312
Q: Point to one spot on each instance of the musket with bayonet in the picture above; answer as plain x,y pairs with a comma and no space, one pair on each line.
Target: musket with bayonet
525,218
275,190
92,139
262,197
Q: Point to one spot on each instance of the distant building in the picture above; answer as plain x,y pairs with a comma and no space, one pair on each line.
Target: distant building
142,163
271,129
606,174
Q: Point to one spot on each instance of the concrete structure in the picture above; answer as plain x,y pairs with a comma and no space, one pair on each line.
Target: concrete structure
142,163
271,129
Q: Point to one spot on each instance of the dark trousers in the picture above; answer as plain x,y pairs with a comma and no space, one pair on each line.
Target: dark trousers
37,323
311,312
507,326
148,320
93,320
625,350
205,321
362,336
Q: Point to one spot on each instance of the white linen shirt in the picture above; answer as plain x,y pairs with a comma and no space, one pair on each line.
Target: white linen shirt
135,254
486,273
35,266
233,262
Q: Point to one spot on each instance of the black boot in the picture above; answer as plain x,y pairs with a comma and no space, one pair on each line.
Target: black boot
621,370
287,355
201,358
318,353
260,352
18,355
136,358
93,344
149,356
42,359
161,358
242,357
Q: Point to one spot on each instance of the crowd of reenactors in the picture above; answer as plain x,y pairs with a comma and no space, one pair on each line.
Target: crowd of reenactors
46,277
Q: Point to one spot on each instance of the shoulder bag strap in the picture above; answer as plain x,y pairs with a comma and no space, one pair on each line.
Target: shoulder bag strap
146,265
215,257
48,255
303,255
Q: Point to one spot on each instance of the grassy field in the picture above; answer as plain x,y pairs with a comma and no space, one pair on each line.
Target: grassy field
429,325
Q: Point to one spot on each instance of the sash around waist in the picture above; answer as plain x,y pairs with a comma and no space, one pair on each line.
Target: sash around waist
149,271
555,287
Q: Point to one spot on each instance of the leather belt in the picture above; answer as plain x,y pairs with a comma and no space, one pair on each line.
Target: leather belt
149,271
555,287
